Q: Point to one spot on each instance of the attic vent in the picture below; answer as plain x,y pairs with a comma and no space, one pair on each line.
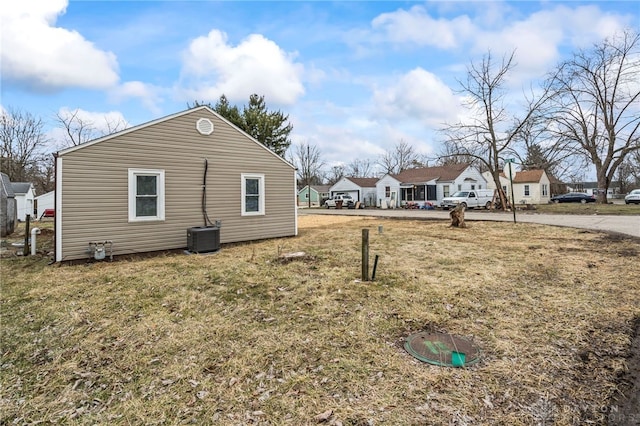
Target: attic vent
204,126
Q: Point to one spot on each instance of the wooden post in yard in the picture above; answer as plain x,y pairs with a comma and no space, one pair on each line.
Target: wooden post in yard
25,249
365,255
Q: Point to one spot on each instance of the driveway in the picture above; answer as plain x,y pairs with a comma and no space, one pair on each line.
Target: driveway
629,225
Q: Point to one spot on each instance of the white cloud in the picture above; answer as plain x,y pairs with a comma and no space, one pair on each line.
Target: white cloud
537,38
418,95
344,134
589,24
212,67
417,26
40,56
147,93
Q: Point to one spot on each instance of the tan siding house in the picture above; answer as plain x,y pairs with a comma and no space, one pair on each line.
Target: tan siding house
529,186
142,188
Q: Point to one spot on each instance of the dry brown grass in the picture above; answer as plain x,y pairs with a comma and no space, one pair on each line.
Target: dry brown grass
616,209
239,337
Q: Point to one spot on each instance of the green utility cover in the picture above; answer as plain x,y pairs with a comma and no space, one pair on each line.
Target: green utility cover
442,349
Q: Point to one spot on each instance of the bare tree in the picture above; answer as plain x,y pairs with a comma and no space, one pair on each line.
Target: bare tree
43,177
596,99
449,156
360,168
80,130
490,134
628,174
309,164
401,157
23,144
542,149
635,168
335,174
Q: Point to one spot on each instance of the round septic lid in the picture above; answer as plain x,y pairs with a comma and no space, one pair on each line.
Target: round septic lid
442,349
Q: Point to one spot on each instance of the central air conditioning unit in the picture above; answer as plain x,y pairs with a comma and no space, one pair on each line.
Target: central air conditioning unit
203,239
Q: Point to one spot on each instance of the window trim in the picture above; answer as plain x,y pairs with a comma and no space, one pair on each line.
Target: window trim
527,191
261,194
132,194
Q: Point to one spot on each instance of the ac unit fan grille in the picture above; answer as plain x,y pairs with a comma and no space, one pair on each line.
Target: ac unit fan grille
203,239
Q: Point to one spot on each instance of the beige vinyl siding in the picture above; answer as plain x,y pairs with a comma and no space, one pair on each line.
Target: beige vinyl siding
94,183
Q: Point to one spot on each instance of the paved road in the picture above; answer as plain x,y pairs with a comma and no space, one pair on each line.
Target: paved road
629,225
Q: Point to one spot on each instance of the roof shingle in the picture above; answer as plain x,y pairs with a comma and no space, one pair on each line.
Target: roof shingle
444,173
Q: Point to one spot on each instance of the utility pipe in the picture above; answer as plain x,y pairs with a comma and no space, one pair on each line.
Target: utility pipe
34,232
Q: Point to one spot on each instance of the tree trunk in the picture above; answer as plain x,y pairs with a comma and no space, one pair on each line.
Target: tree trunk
457,217
603,187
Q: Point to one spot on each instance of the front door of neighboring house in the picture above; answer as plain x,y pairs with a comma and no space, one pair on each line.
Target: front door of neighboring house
393,201
431,192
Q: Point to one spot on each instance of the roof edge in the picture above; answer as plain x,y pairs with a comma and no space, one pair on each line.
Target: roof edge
163,119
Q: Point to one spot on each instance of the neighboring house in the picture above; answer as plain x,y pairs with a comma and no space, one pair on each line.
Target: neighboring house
25,195
360,189
592,188
318,193
8,214
427,184
529,186
143,188
44,202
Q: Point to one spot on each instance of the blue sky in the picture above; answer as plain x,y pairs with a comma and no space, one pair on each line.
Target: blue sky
355,77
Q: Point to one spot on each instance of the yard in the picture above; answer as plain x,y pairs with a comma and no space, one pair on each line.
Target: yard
244,337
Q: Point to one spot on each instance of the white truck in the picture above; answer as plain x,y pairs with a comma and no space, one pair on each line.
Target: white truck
469,199
345,199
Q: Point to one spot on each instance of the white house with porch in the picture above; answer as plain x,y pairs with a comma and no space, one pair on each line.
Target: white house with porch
426,185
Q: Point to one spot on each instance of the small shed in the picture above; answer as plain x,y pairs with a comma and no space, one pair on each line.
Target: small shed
44,202
25,195
8,214
144,188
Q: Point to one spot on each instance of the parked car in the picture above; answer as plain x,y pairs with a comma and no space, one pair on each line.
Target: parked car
574,197
633,197
346,199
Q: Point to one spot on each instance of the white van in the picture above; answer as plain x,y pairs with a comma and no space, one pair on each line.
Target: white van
469,199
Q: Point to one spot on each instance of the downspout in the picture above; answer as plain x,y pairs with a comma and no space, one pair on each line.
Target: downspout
205,215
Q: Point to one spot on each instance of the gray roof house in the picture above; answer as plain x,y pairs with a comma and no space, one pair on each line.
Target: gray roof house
144,188
8,209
